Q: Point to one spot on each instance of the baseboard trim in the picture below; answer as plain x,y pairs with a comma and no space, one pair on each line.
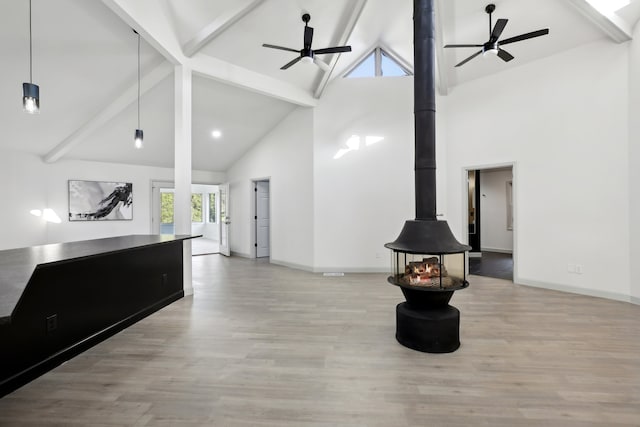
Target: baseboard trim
500,251
580,291
240,254
353,270
292,265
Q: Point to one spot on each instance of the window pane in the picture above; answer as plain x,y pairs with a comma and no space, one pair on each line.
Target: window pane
212,207
196,208
390,68
367,68
166,208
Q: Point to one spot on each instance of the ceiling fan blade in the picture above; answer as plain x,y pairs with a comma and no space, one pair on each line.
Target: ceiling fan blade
336,49
469,58
525,36
497,29
323,65
289,64
272,46
308,37
463,45
504,55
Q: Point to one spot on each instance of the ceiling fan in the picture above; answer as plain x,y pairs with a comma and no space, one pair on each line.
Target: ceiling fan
493,45
306,53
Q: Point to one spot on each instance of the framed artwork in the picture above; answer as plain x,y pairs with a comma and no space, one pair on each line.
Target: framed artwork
100,201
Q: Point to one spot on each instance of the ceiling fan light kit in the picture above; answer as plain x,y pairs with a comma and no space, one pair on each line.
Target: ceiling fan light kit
494,42
306,54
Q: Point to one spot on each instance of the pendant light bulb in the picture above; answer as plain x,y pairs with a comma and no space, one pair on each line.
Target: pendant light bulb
30,91
139,137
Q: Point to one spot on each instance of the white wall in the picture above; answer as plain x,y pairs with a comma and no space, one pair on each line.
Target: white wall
33,184
564,121
634,162
285,157
362,200
494,235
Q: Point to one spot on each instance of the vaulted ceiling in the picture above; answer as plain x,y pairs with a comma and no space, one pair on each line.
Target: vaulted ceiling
85,61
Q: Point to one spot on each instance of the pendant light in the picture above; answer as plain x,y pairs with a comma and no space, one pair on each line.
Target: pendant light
30,91
139,135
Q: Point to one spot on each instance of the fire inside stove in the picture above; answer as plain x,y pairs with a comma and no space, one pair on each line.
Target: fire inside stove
430,271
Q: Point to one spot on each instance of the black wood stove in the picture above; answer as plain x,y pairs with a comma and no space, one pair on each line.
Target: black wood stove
428,261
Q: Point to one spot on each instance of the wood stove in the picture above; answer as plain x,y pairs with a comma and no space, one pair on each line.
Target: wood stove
428,263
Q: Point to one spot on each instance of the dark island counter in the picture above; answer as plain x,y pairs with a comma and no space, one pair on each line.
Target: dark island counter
58,300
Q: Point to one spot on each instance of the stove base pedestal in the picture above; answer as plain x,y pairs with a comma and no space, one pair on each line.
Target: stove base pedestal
430,330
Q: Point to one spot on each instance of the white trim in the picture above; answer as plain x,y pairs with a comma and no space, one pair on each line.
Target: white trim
500,251
580,291
240,254
354,270
292,265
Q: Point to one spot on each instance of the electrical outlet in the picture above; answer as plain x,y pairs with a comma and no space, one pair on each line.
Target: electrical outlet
378,255
52,323
165,279
578,268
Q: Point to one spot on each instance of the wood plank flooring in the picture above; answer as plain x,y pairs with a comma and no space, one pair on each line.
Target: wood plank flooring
262,345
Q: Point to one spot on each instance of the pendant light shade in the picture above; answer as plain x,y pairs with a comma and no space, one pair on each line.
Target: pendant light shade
139,135
31,98
30,91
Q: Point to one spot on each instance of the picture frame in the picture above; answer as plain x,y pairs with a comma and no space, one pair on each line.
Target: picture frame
100,201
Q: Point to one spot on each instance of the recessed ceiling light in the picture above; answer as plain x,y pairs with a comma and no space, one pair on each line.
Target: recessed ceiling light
216,134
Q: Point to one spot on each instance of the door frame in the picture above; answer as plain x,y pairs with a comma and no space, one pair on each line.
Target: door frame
253,209
465,209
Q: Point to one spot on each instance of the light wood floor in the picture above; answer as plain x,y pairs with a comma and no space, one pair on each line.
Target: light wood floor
265,345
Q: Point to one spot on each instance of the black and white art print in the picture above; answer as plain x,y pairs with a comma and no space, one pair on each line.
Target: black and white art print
100,201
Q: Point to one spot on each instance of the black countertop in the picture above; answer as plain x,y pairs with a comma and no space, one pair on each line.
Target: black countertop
17,265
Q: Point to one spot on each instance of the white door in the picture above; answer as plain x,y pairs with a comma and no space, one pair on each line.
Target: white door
224,220
262,219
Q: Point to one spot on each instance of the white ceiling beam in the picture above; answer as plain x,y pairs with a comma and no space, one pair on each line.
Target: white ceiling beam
150,21
349,24
148,18
216,69
611,24
217,27
128,97
441,63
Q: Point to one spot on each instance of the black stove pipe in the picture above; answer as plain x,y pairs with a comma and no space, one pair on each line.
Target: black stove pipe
424,45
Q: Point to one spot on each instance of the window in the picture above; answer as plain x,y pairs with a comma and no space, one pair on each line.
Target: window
379,63
212,207
166,208
196,208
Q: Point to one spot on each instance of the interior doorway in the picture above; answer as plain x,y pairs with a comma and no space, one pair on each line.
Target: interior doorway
490,221
205,215
262,222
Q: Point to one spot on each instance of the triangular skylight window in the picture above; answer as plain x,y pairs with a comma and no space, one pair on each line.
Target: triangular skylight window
379,63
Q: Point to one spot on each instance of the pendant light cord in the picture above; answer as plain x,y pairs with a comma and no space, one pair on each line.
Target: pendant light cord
138,80
30,48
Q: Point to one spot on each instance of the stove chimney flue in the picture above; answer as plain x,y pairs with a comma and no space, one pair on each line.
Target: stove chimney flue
424,44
